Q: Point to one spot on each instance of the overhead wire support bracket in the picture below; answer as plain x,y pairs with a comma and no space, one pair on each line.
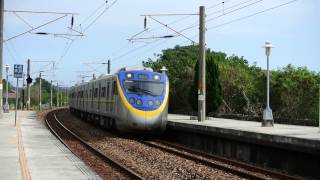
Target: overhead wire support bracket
32,29
134,38
40,12
152,37
192,14
171,29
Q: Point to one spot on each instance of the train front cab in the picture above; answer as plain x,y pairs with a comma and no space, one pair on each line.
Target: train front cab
144,101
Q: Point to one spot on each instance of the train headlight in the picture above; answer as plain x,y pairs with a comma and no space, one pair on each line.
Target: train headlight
129,75
132,100
156,77
150,103
158,102
139,102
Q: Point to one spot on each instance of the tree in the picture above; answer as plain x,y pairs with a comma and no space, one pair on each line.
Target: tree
180,64
242,86
213,87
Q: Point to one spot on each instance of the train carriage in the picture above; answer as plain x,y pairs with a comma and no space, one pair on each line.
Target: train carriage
131,100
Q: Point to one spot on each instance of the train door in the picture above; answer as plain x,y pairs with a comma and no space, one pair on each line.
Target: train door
103,98
108,98
86,100
114,95
95,94
91,92
82,98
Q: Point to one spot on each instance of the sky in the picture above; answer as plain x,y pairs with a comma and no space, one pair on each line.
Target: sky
239,27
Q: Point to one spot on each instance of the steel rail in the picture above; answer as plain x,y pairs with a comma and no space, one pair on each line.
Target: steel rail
242,165
97,152
245,170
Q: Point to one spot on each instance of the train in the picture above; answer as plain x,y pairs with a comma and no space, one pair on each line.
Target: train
134,99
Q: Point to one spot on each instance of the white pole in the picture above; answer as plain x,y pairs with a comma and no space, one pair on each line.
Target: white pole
267,113
6,107
40,92
17,91
51,95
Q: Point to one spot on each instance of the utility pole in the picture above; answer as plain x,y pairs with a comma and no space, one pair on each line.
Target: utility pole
109,67
1,51
23,99
28,85
57,94
51,95
6,106
17,100
65,96
202,67
61,99
40,91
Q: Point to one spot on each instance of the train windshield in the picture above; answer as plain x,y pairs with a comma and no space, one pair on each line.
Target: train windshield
143,87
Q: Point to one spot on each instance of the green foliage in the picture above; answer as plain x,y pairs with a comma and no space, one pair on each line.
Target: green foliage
180,63
243,86
45,93
213,87
4,82
293,92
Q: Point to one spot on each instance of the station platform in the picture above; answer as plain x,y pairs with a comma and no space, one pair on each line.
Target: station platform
29,151
292,136
290,148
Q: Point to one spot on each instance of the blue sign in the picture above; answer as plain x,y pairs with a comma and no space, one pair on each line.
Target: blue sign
18,70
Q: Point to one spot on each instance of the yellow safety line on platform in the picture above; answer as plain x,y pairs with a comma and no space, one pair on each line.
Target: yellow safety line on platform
22,157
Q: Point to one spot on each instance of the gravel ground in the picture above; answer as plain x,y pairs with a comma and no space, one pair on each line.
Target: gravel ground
105,170
150,162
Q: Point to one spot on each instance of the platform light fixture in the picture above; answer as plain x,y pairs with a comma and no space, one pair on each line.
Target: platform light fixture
267,113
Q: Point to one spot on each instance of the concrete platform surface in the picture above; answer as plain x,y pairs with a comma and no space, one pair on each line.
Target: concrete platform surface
30,151
300,136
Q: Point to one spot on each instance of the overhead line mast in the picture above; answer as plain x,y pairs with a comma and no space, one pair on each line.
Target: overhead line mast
1,52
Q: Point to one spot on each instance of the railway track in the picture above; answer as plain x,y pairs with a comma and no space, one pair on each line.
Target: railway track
52,122
234,167
241,170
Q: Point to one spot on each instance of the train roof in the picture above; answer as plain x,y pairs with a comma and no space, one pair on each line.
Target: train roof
103,76
136,68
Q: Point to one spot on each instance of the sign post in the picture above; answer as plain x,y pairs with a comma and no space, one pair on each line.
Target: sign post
18,71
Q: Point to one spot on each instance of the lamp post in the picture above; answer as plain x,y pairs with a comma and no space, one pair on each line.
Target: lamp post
40,91
6,106
267,113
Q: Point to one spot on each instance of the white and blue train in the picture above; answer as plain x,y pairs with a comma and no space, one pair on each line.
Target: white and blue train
131,100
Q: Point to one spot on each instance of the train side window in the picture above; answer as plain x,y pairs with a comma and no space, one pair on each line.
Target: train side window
103,91
115,92
90,93
96,92
99,91
108,84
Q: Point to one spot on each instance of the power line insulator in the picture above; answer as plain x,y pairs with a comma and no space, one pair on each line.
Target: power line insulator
145,23
72,20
